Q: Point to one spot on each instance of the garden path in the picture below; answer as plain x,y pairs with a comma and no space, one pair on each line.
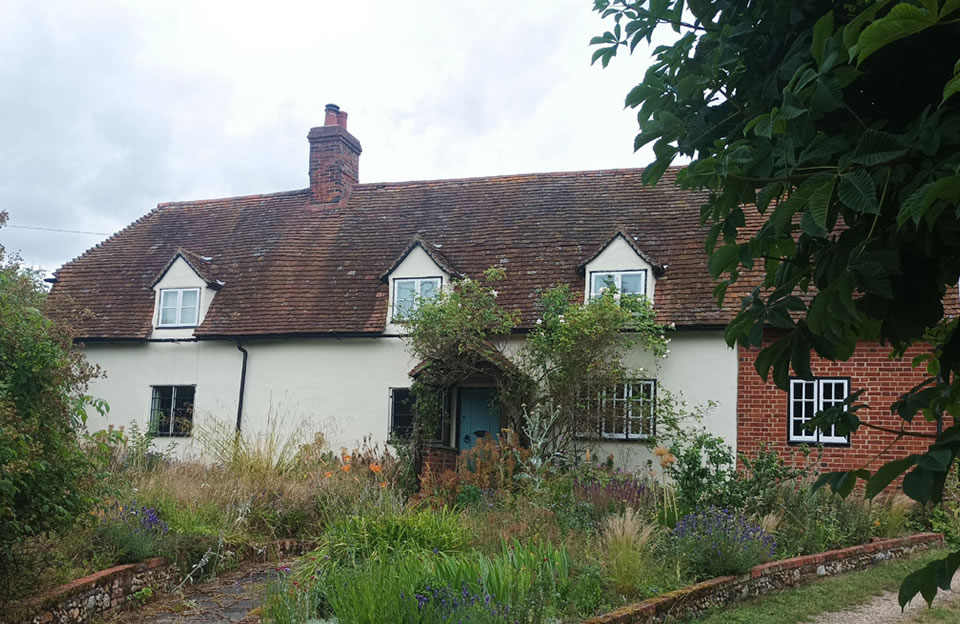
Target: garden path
233,597
882,609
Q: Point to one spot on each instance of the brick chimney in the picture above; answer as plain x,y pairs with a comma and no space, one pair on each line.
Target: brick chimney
334,158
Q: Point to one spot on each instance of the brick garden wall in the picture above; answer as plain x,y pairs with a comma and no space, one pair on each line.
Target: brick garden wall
762,416
91,597
764,578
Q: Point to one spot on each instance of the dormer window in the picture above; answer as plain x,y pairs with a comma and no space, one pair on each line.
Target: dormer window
179,307
626,282
407,293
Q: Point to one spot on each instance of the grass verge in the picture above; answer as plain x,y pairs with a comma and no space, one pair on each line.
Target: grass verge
801,604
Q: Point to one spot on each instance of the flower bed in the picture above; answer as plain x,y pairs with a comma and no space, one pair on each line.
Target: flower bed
764,578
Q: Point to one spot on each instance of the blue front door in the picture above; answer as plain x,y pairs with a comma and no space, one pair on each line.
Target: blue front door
479,415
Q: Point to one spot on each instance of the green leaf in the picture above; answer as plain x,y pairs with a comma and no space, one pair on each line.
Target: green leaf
951,88
841,483
723,259
878,147
949,7
820,202
885,475
902,21
918,484
858,193
821,32
851,32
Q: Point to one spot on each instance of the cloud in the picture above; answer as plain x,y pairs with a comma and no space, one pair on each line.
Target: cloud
111,107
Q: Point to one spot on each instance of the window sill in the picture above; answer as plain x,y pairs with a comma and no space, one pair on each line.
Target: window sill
176,326
846,444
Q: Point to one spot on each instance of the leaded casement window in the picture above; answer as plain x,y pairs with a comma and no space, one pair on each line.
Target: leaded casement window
171,410
179,307
626,282
809,398
403,412
626,411
407,293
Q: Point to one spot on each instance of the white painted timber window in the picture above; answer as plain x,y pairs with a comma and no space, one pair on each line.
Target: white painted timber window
407,293
179,307
626,282
626,411
807,399
171,410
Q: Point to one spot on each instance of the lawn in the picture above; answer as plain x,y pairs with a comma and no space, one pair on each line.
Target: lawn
802,604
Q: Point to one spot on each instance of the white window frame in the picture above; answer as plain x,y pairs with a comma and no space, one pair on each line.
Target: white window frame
631,400
179,322
819,404
617,281
418,285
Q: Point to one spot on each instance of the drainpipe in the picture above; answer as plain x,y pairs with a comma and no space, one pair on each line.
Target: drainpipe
243,382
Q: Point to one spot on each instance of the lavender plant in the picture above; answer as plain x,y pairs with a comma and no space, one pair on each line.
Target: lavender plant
714,542
134,532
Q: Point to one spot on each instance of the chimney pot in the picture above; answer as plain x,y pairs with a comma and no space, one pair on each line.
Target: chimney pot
332,112
342,119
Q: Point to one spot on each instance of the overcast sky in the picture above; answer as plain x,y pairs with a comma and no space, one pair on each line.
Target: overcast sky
109,107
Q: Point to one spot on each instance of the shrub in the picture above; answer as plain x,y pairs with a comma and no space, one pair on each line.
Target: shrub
840,522
46,481
702,470
715,542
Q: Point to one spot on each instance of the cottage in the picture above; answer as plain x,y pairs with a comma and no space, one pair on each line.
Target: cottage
275,310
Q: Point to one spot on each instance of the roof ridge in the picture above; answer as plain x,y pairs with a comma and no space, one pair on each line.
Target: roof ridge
541,174
217,200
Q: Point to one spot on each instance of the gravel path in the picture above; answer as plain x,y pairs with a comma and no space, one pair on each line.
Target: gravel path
882,609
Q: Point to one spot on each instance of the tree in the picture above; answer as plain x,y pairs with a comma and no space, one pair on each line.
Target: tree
828,135
574,348
45,478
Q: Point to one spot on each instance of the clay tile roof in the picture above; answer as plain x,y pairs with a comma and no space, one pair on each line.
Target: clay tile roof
290,267
658,269
201,265
431,250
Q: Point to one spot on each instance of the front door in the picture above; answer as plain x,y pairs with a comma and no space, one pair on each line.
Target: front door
479,415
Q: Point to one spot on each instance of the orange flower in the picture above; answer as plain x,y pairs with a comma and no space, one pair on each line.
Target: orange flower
328,473
376,467
383,484
346,467
346,458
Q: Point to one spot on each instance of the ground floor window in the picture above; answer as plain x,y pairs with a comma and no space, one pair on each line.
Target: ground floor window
171,410
402,414
806,400
626,411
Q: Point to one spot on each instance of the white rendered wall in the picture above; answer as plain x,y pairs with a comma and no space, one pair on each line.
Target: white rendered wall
340,387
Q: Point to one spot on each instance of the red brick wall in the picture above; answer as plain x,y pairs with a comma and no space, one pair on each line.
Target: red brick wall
762,408
439,459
